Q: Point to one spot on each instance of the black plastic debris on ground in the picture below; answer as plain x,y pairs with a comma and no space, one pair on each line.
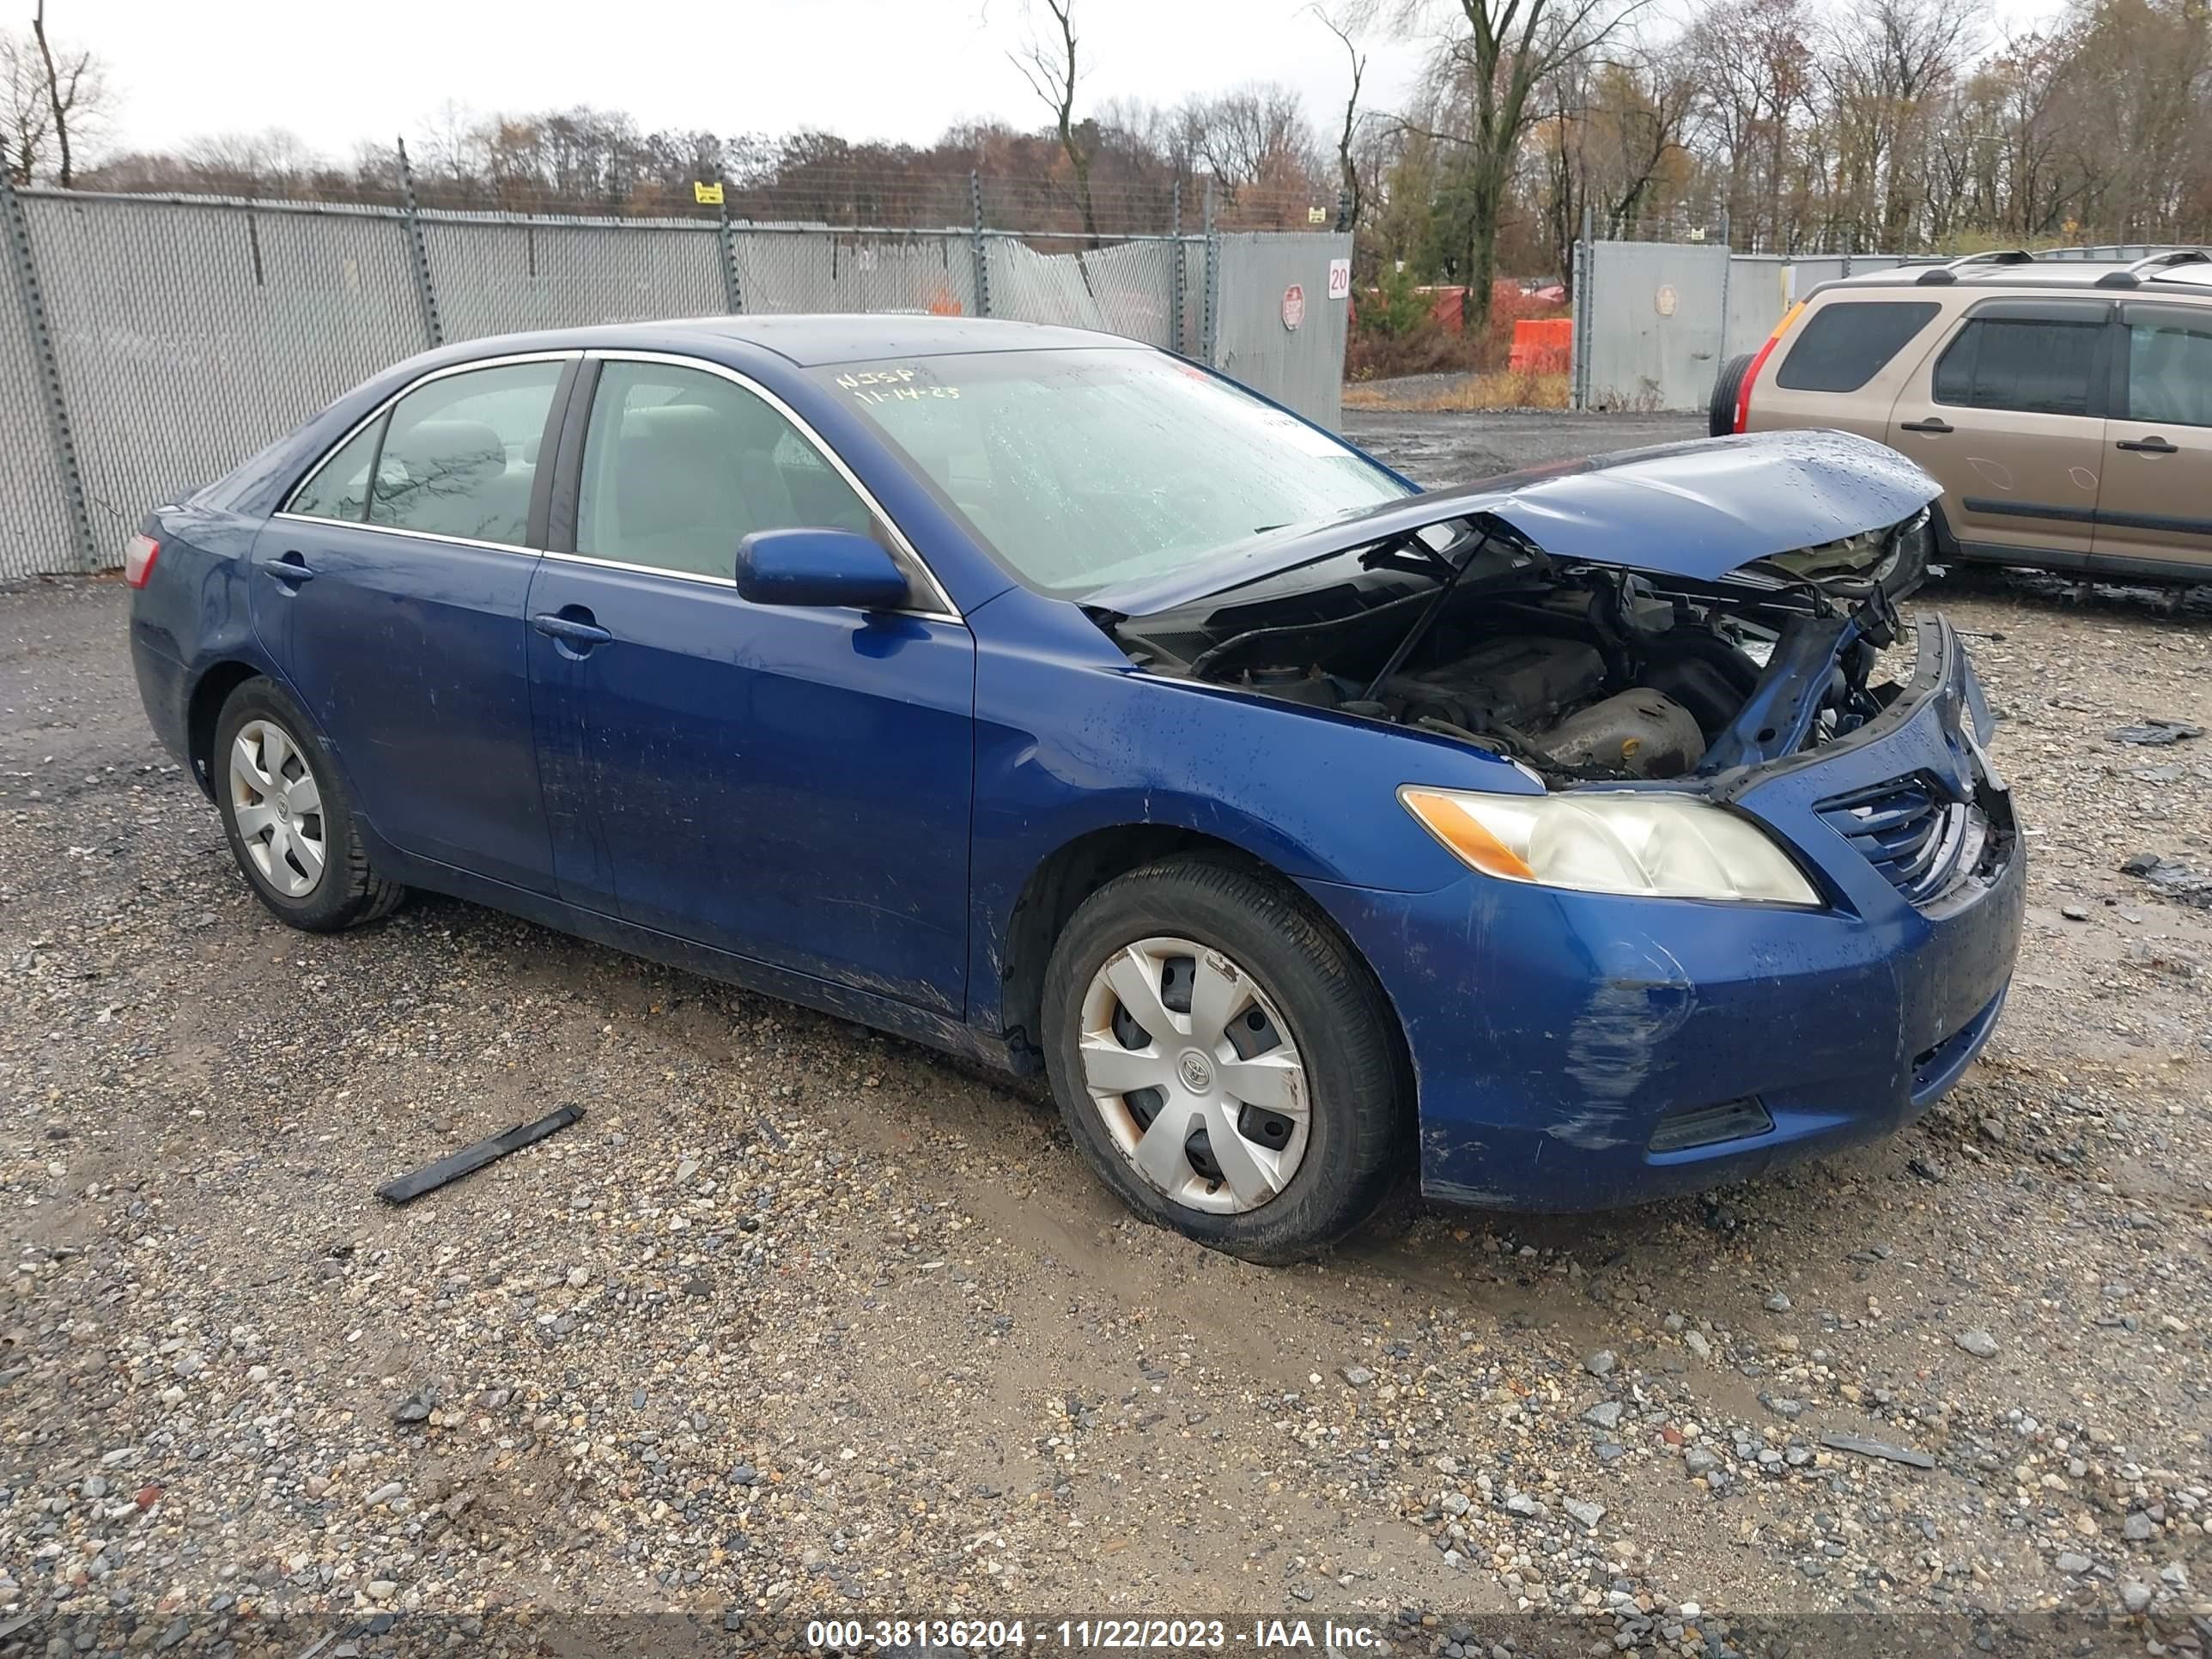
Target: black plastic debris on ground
2170,878
2153,733
408,1188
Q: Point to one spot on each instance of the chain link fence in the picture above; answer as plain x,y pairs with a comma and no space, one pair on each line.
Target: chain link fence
149,344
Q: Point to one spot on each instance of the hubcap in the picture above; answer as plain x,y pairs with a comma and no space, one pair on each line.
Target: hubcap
278,808
1194,1073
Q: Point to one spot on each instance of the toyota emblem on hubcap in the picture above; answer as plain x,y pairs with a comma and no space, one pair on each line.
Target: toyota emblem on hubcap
1197,1072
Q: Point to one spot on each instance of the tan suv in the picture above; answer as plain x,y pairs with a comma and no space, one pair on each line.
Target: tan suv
2065,406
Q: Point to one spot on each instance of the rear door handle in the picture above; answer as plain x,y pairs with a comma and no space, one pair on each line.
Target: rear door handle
1933,424
573,629
2153,445
291,570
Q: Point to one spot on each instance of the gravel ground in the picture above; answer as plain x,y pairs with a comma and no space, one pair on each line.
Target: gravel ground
800,1321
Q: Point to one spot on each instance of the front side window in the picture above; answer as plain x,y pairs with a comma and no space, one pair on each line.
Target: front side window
2170,372
1088,468
461,454
339,488
680,466
1847,342
2038,367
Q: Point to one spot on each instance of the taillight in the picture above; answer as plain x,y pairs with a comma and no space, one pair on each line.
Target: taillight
138,559
1750,374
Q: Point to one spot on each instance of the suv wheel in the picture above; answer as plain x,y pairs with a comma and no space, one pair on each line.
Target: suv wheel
1223,1062
1720,419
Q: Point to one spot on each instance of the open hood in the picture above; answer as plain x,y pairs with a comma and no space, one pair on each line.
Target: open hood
1698,510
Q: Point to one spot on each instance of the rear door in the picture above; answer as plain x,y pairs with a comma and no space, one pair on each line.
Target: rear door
2008,415
390,591
787,783
2154,513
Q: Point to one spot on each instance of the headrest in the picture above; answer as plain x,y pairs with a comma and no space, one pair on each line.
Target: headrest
446,447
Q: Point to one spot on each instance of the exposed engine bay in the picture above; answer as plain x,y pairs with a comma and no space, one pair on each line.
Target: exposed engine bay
1580,670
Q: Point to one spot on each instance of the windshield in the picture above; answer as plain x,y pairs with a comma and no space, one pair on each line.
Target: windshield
1088,468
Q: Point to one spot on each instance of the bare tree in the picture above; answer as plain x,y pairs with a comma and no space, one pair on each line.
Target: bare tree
1051,68
76,92
1488,62
27,117
1347,168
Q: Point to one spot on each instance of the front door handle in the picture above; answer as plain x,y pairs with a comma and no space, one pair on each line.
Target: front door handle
572,630
291,570
1933,424
2152,446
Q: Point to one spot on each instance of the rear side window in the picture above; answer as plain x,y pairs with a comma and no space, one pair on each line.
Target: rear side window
462,453
1846,344
2170,372
2038,367
339,488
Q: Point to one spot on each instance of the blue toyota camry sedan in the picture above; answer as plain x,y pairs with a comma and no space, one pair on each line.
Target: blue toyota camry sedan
1577,836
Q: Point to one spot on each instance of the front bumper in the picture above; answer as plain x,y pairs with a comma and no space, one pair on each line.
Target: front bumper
1556,1036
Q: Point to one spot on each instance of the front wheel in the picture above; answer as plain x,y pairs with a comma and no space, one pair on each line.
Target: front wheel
1226,1062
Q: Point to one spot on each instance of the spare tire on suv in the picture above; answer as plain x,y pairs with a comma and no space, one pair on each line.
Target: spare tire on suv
1720,419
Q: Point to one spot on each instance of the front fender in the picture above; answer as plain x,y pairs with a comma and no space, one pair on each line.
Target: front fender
1072,738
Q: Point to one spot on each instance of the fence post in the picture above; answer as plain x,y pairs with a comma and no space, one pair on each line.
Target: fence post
733,296
1210,304
426,293
18,233
1585,266
1177,275
977,249
1727,271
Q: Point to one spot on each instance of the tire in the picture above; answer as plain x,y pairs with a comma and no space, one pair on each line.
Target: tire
295,811
1720,417
1287,982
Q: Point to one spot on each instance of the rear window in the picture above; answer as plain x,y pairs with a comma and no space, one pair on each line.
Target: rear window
2040,368
1846,344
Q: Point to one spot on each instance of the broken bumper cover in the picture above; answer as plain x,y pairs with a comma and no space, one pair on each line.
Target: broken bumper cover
1556,1036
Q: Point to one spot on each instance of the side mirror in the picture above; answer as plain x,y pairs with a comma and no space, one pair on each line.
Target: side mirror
818,567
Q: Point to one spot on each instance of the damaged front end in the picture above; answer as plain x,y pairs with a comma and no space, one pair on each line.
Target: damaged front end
1696,610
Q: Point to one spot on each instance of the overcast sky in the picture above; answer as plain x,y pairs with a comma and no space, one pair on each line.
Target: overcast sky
865,68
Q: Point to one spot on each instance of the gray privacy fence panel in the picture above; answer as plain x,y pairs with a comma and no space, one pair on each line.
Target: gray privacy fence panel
1302,367
35,533
497,277
802,268
1125,288
190,331
1653,314
189,335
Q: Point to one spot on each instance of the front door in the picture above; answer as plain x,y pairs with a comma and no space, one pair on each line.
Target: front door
787,783
2155,513
2009,417
390,593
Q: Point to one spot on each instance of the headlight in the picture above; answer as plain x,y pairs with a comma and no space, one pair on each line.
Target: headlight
1645,842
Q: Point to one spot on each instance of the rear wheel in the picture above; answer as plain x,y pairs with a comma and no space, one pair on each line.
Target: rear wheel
1720,419
1224,1061
286,813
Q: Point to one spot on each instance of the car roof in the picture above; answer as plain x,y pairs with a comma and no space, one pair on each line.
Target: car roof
813,340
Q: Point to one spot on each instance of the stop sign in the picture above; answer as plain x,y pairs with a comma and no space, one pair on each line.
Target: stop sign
1294,306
